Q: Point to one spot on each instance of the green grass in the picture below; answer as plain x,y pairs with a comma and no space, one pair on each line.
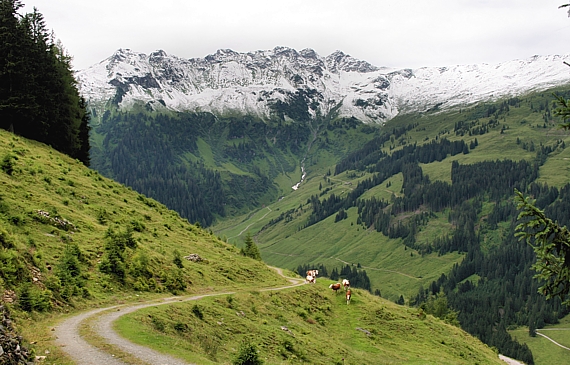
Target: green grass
544,351
206,152
309,324
399,270
387,190
392,269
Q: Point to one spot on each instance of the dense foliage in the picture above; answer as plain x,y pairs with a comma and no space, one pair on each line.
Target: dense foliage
159,155
548,236
146,154
39,98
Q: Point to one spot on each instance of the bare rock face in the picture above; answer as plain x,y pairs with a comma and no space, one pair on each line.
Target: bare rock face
193,257
11,350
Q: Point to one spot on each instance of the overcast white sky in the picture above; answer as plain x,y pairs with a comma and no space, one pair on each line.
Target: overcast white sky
393,33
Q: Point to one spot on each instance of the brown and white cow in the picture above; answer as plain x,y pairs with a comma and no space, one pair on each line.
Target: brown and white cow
313,273
346,284
348,295
335,287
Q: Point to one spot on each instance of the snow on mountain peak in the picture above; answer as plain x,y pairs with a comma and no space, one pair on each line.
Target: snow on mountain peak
255,82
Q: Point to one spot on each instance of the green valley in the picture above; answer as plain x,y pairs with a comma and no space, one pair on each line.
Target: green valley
62,224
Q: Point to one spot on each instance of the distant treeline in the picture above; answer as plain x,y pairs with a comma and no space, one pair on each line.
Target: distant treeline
39,98
354,274
402,161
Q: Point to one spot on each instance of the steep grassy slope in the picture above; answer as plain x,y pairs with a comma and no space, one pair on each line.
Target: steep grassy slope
70,238
310,324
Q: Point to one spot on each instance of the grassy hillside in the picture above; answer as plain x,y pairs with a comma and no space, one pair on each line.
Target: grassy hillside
71,239
309,324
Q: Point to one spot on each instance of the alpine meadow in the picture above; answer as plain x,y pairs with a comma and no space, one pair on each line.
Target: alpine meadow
156,209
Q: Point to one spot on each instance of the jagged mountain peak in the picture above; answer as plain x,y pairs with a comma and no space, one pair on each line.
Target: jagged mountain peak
157,55
339,61
222,55
309,53
260,82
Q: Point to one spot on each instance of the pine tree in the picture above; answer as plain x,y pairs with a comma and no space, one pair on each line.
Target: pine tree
401,300
250,249
532,327
39,98
13,76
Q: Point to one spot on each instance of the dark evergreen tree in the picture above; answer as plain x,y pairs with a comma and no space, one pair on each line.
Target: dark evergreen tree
401,300
250,249
39,98
14,98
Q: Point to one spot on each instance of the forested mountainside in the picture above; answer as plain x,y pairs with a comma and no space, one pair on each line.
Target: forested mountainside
493,287
205,166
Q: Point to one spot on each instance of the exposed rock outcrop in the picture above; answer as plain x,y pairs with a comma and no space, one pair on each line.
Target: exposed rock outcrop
11,350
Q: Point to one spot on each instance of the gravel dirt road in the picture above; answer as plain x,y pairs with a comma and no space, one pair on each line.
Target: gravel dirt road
83,353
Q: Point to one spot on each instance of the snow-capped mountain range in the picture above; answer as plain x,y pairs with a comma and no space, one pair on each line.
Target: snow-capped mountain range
255,82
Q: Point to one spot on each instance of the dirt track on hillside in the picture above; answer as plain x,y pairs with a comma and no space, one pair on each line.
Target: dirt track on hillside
83,353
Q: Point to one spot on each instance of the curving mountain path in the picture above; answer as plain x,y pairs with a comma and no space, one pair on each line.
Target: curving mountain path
83,353
550,339
251,224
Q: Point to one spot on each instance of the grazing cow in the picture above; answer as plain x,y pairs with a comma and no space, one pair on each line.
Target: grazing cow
313,273
345,283
335,287
311,279
347,296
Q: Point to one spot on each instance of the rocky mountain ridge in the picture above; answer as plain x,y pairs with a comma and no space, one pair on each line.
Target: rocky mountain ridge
261,83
